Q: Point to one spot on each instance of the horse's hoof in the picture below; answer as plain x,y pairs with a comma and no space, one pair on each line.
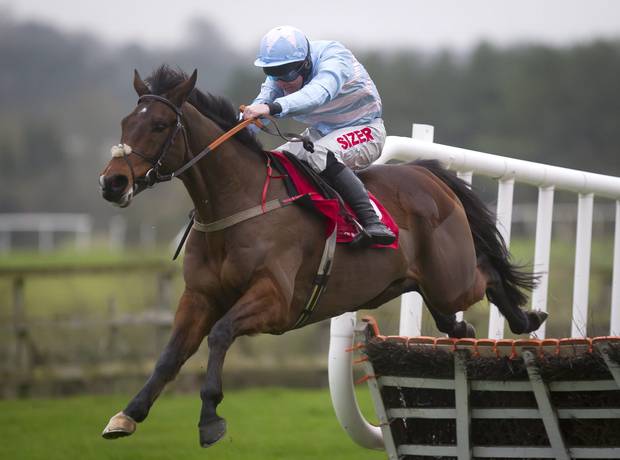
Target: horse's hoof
463,329
535,319
471,332
119,426
212,432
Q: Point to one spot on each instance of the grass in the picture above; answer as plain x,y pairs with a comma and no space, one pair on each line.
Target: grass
269,424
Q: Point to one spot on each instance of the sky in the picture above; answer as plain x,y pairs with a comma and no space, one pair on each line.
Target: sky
427,25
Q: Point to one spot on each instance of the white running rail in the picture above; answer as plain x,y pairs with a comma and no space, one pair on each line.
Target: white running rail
507,171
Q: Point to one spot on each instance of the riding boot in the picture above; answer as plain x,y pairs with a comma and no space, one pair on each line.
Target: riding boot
352,190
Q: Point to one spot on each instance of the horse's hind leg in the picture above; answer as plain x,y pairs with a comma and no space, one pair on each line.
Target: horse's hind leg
519,321
192,322
449,325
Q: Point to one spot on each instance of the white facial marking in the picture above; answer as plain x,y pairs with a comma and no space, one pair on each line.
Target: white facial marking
143,110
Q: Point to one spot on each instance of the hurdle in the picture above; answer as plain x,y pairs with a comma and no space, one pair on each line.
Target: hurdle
507,171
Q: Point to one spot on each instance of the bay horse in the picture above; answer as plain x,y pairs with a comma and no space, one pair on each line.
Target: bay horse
255,276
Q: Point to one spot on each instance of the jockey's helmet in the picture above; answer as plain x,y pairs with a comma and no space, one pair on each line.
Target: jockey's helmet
282,45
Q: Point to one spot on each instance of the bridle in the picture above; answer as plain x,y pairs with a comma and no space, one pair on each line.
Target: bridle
153,176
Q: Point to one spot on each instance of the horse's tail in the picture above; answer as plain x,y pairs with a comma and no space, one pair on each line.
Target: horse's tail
488,241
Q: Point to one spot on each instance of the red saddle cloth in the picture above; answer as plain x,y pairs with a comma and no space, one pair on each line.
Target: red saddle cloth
330,207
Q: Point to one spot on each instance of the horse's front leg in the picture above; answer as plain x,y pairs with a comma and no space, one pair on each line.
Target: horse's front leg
262,308
193,320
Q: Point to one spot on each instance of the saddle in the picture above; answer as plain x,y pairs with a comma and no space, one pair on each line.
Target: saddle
311,191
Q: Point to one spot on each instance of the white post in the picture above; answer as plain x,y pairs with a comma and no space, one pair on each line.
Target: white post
542,252
467,176
411,302
46,236
410,324
340,374
614,327
118,229
423,132
504,220
83,234
147,235
582,265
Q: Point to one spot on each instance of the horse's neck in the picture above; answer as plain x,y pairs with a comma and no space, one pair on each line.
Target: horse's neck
228,179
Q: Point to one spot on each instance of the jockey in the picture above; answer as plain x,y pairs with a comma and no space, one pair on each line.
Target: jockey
320,83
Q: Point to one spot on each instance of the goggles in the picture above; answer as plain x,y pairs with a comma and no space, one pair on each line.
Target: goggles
285,72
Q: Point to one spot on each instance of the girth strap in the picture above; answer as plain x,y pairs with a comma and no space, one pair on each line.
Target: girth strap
320,281
240,216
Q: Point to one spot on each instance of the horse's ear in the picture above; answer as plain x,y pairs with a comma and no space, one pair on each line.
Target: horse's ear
139,85
179,93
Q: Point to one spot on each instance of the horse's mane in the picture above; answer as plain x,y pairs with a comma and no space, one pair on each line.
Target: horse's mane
217,108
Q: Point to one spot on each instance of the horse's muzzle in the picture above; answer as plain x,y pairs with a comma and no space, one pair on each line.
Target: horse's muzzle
114,189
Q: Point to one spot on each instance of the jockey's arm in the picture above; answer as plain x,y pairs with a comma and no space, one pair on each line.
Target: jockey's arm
332,72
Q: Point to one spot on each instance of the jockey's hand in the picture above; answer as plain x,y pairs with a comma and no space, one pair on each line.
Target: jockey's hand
255,111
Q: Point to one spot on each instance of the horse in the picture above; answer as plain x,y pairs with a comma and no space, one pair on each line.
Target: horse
254,276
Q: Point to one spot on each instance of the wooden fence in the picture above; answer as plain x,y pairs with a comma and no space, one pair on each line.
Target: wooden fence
113,346
25,361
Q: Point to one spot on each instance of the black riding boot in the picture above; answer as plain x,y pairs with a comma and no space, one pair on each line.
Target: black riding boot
352,190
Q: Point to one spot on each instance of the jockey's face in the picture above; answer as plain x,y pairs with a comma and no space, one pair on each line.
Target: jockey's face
290,86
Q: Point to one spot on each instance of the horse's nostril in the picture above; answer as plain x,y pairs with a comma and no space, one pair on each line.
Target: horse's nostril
116,183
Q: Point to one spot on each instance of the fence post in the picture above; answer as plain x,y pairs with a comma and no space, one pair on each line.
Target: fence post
148,237
583,245
614,327
21,358
504,220
118,230
466,176
411,302
46,236
542,252
83,234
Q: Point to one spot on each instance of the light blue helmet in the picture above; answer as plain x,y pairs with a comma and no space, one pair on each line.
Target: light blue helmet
282,45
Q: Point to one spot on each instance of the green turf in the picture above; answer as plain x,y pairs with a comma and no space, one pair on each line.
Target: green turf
262,424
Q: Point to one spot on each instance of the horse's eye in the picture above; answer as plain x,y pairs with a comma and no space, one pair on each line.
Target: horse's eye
159,127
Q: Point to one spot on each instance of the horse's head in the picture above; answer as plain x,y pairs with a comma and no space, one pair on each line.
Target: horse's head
153,142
